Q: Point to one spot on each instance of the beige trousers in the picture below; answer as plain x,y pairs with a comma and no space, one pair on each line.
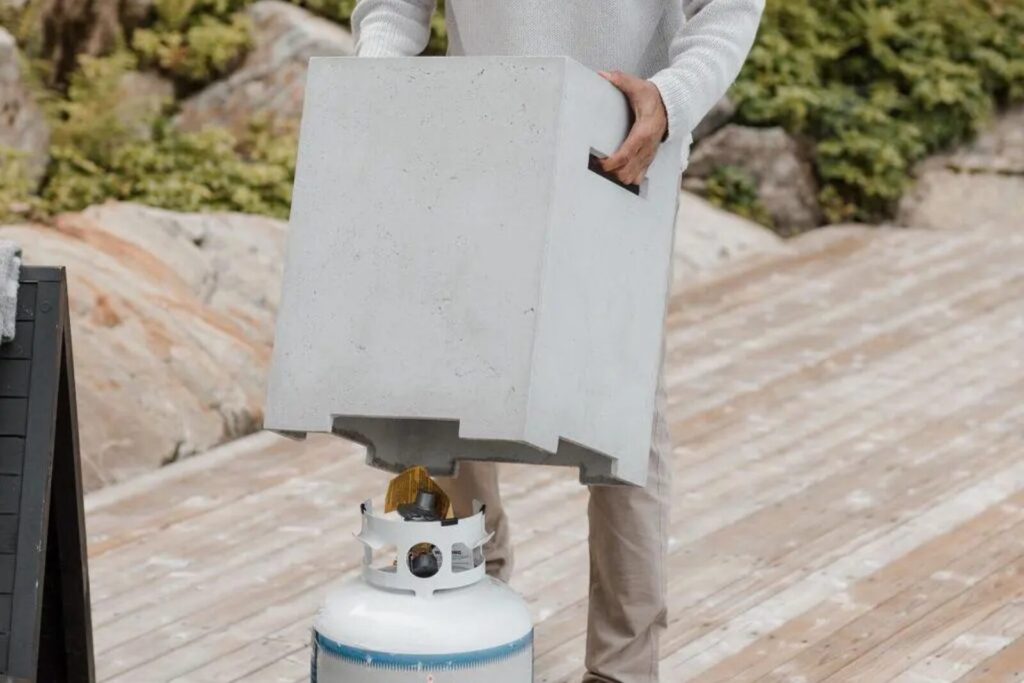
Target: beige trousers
628,549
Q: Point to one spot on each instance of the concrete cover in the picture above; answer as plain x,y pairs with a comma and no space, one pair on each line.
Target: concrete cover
459,285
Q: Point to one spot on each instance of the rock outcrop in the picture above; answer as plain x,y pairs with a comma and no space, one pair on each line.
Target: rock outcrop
977,185
778,164
23,127
172,318
271,81
707,236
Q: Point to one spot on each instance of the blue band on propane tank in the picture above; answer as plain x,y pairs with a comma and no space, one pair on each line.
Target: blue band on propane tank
413,662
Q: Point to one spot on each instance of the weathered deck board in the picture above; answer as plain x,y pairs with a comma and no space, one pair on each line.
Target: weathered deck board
849,493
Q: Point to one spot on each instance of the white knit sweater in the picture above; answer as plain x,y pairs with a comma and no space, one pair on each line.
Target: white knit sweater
691,50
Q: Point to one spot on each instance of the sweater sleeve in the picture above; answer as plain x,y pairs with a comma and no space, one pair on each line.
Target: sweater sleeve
706,56
392,28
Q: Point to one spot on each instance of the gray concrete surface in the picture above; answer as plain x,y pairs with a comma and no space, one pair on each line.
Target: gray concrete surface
458,283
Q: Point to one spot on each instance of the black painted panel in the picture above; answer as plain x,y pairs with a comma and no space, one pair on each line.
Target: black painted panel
14,376
6,573
8,534
21,345
26,301
12,454
10,493
44,596
5,613
13,413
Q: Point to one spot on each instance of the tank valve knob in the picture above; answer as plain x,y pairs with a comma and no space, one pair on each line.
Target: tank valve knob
424,560
423,509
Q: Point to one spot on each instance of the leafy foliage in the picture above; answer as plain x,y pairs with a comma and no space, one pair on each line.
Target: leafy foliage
198,41
9,16
87,119
880,83
734,189
16,199
335,10
195,41
100,152
205,171
874,84
438,44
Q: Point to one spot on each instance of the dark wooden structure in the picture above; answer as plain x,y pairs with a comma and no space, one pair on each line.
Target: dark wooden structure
45,629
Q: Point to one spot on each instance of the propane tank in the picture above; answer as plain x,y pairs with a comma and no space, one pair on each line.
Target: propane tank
430,616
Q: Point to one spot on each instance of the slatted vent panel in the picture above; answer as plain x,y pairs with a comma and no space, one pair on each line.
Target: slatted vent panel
15,375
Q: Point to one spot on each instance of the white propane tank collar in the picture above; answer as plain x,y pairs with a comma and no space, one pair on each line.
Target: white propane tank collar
380,532
398,624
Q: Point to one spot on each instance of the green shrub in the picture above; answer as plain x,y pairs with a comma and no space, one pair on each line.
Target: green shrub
100,151
438,32
339,11
16,198
198,41
877,84
86,120
98,155
9,16
205,171
735,190
21,20
195,41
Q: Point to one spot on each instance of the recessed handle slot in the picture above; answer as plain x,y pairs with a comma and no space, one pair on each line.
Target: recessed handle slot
594,164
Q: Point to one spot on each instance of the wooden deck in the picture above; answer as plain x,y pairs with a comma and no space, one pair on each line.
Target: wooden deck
849,493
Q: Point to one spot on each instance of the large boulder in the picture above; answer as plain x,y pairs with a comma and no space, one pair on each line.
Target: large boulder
172,322
944,198
23,127
997,150
271,81
779,165
707,236
979,184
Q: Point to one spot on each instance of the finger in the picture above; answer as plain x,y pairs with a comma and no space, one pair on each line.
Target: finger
637,95
630,85
624,177
635,172
632,174
631,160
622,156
619,78
640,138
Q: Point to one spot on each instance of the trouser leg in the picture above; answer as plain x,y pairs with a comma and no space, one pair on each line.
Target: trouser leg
479,481
628,551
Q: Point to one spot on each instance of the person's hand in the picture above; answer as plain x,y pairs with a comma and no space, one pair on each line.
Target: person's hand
629,163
